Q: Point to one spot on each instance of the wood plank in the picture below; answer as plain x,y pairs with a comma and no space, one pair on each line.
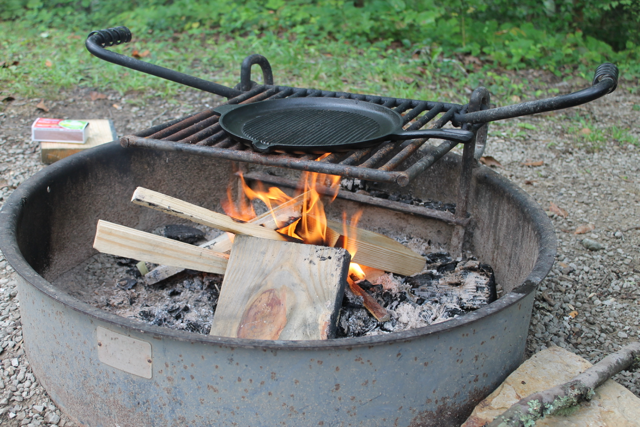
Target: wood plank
98,132
182,209
223,243
280,290
131,243
378,251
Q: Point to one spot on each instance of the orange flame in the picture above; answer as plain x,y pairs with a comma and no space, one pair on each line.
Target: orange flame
311,227
355,272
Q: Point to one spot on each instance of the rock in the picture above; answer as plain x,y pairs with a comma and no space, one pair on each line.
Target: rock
52,418
612,406
592,245
183,233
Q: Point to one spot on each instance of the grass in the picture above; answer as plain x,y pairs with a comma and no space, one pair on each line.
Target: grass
51,61
594,138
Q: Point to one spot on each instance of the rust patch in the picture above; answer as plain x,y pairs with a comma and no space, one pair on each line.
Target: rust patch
451,414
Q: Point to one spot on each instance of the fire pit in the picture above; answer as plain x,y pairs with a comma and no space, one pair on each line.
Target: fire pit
153,375
111,370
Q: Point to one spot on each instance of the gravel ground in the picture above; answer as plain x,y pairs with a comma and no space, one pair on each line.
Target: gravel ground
589,303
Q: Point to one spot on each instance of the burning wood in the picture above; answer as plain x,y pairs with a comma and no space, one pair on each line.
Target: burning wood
367,248
182,209
278,215
279,290
368,301
292,291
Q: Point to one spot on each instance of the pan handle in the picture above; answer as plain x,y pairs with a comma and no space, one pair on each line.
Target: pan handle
455,135
98,40
605,81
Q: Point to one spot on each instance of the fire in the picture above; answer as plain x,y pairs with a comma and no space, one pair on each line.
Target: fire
311,227
355,272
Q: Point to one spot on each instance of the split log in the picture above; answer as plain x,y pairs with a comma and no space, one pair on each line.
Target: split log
379,251
182,209
372,249
131,243
270,219
582,388
279,290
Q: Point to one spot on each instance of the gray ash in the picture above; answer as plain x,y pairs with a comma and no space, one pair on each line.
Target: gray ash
445,289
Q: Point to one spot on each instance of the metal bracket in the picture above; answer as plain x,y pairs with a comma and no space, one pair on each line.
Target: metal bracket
479,98
245,71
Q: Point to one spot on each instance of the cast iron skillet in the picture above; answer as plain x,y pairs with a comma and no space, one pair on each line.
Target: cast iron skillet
320,124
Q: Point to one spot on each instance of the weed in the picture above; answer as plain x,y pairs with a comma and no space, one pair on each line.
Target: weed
528,126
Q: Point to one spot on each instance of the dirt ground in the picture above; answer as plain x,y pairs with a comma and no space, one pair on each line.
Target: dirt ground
590,302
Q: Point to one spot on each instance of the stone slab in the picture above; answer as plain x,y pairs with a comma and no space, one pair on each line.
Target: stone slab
612,406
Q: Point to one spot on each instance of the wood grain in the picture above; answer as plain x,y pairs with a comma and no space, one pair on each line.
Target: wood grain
281,290
99,131
131,243
182,209
222,243
381,252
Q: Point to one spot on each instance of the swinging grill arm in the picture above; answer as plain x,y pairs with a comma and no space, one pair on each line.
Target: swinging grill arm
98,40
605,81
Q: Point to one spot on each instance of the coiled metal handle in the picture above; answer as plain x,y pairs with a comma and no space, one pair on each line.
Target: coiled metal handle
607,71
111,36
98,40
604,82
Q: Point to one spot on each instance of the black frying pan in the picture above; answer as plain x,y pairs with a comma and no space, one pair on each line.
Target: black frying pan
320,124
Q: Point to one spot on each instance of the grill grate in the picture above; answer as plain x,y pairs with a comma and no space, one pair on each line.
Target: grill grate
398,162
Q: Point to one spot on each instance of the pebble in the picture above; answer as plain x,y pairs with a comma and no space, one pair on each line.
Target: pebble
585,277
52,418
592,245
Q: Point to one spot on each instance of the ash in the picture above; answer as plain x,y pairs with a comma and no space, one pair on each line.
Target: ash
444,290
185,302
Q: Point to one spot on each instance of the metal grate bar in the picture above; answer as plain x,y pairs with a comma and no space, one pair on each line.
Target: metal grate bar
202,134
212,136
170,130
415,144
383,150
210,126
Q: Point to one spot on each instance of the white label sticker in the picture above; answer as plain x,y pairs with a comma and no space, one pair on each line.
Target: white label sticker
125,353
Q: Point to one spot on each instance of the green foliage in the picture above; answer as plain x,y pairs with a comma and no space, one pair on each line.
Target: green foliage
565,32
496,34
593,138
